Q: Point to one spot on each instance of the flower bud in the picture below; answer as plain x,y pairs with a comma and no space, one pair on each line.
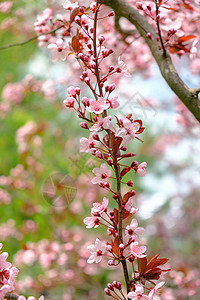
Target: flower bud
107,292
108,248
111,262
111,68
110,287
98,154
85,101
111,14
121,246
84,125
123,148
130,183
148,35
95,136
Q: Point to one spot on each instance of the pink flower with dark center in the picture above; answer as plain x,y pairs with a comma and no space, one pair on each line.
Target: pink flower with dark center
87,144
96,250
58,50
106,123
133,228
136,250
92,222
141,169
99,208
138,294
98,106
129,131
129,206
102,174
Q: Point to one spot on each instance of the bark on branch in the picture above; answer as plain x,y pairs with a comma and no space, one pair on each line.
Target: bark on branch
188,96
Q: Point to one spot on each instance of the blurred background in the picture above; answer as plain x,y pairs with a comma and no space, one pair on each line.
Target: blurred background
45,189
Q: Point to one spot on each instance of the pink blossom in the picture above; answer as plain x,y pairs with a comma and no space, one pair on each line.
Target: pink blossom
69,5
86,144
93,6
71,91
123,67
5,6
58,50
141,169
96,250
129,206
69,102
129,131
153,293
137,251
44,17
92,222
138,294
133,228
101,173
106,123
114,104
99,208
98,106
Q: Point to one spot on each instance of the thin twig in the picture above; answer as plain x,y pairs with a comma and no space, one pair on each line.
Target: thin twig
30,40
159,32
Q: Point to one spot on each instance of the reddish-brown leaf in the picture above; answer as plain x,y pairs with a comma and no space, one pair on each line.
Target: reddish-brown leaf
142,262
76,44
115,143
186,38
125,171
116,215
126,197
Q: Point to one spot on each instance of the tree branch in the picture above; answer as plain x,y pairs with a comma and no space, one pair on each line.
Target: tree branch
30,40
188,96
11,296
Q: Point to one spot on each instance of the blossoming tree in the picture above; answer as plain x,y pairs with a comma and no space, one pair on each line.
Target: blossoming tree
79,32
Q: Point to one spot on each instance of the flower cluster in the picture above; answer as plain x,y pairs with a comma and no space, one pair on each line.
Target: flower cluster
108,137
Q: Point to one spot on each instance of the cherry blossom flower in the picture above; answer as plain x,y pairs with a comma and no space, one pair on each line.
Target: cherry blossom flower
58,50
138,294
45,16
123,67
3,263
137,251
92,222
153,293
114,104
133,228
141,169
129,131
101,173
69,5
99,208
106,123
98,106
86,144
129,206
96,250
